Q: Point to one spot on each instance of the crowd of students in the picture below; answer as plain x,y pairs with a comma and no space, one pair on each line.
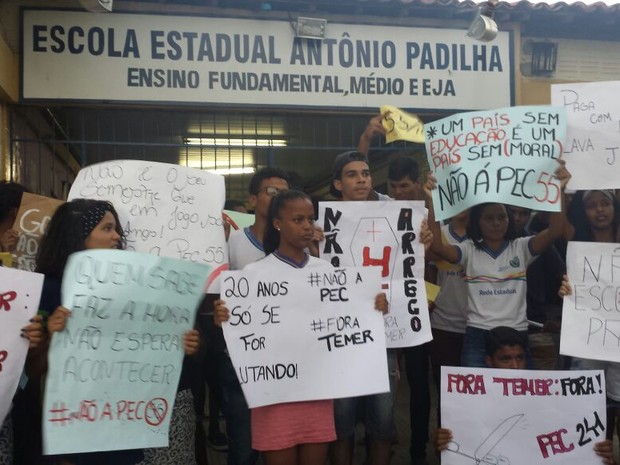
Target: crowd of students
516,252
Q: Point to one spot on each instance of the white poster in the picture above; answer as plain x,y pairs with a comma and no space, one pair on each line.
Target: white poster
312,334
386,235
591,314
518,417
592,148
20,292
165,210
231,61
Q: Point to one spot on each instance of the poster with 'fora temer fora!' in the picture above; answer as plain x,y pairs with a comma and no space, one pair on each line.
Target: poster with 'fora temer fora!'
516,417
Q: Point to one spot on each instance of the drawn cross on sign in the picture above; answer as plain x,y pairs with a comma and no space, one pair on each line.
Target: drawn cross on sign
373,231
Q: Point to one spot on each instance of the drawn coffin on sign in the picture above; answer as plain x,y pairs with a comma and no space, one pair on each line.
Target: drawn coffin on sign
383,234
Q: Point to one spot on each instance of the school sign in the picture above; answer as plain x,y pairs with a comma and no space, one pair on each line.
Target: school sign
78,56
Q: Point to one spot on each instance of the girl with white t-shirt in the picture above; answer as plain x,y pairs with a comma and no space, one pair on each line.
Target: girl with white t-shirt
294,432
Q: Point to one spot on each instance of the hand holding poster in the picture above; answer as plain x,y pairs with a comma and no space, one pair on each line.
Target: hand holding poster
312,334
383,234
592,148
165,210
591,314
500,416
35,212
20,292
113,372
507,155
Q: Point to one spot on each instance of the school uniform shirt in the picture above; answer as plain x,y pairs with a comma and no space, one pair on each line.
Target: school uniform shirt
280,426
496,283
450,313
243,248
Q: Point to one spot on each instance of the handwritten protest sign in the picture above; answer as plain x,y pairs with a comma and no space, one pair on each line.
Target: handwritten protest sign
401,125
591,314
522,417
165,210
592,148
507,155
20,292
113,372
383,234
312,334
35,212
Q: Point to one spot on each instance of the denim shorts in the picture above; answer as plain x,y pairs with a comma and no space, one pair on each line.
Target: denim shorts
378,409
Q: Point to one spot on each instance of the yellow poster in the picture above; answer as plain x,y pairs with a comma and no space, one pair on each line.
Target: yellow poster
401,125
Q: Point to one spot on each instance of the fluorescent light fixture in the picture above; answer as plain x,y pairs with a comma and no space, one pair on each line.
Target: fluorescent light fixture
310,28
227,171
228,142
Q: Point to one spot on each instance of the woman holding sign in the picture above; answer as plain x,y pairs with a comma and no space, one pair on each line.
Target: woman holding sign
297,432
85,224
594,216
495,263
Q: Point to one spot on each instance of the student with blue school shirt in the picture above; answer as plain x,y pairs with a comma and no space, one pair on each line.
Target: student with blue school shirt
495,263
505,349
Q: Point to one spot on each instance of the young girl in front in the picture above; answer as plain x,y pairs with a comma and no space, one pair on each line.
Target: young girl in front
494,262
86,224
295,433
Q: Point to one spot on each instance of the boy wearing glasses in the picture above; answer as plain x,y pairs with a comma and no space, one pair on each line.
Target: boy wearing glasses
246,245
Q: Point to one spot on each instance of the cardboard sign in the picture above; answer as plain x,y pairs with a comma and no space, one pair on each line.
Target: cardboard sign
592,148
383,234
20,292
507,155
35,212
522,416
114,371
312,334
591,314
165,210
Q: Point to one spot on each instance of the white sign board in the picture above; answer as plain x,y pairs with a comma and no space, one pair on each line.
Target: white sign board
312,334
20,292
386,235
590,315
173,59
522,417
592,148
165,210
114,370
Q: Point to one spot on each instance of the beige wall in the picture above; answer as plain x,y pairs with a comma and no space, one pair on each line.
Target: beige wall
9,73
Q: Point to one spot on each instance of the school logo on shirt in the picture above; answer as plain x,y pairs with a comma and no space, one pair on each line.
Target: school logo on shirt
515,262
